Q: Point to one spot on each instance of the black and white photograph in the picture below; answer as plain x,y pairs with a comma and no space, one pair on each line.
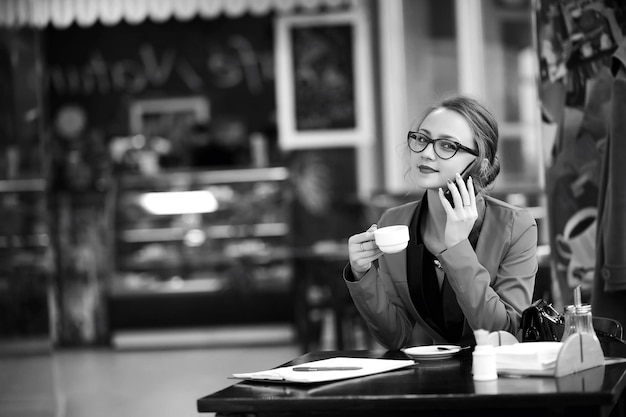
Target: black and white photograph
312,208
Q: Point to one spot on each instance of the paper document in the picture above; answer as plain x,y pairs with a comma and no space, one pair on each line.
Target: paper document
332,369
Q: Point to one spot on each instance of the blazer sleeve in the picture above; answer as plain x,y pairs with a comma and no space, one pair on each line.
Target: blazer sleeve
377,298
378,302
496,304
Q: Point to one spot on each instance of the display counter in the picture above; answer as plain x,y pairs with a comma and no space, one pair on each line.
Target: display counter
201,248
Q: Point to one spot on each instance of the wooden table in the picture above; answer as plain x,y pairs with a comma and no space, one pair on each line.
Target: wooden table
430,388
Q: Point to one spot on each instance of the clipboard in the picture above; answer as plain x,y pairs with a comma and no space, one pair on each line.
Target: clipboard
332,369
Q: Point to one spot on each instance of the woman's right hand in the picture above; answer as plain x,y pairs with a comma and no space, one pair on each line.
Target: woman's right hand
363,251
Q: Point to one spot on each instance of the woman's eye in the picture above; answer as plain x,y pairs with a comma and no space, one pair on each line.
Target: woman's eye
422,139
447,145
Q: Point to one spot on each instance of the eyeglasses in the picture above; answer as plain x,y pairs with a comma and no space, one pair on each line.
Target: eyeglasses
444,148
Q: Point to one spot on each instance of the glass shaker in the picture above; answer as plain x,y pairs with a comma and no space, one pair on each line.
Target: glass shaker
578,319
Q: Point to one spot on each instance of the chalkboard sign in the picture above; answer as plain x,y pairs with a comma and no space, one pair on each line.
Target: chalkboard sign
324,80
323,71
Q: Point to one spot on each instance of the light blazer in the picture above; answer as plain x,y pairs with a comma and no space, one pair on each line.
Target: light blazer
493,284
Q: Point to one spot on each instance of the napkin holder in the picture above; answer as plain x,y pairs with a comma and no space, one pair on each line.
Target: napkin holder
580,351
584,381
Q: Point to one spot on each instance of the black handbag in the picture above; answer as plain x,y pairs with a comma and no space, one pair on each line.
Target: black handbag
541,323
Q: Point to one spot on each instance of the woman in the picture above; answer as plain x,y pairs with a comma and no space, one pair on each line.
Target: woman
470,264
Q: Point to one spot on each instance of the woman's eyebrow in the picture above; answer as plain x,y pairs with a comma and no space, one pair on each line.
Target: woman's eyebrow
444,136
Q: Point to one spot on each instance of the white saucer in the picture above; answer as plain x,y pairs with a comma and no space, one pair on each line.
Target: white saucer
432,351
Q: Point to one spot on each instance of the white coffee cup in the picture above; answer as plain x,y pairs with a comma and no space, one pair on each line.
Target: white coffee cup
392,239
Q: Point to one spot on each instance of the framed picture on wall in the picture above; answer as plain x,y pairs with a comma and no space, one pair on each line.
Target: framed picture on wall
323,81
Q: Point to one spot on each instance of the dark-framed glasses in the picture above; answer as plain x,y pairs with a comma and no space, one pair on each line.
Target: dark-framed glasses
444,148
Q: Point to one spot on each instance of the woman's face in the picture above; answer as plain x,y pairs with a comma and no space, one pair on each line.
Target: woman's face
431,171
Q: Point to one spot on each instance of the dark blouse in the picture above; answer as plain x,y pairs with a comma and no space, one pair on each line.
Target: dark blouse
437,306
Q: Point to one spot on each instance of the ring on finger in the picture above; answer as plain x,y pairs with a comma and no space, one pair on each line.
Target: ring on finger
362,248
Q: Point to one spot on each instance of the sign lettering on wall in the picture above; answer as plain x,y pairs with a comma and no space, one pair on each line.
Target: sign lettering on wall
104,69
236,63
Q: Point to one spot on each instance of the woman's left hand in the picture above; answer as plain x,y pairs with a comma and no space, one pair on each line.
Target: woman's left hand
461,217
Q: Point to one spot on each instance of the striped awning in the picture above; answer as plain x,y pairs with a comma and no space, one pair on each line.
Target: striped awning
63,13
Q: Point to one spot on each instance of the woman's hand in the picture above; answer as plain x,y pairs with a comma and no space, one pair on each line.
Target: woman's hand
363,251
461,218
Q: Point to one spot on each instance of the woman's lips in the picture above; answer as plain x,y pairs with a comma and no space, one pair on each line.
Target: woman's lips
424,169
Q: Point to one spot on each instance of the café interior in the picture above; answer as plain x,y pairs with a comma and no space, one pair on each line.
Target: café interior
178,179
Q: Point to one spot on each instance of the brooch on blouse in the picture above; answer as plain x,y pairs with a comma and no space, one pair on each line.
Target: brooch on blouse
437,264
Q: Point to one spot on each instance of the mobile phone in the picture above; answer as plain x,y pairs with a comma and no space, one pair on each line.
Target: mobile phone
464,175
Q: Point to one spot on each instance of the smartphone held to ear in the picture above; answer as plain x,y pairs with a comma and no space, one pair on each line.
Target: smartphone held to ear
464,175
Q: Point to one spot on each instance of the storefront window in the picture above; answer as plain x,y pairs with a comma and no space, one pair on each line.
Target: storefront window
431,53
511,90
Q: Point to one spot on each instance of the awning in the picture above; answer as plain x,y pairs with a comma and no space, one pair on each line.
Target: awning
63,13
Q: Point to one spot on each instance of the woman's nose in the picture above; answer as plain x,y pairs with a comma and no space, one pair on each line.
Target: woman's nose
429,151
